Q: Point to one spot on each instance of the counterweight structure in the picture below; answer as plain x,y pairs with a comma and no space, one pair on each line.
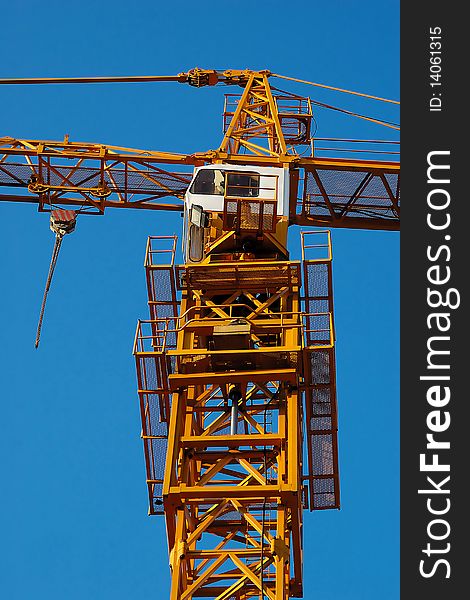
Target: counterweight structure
236,364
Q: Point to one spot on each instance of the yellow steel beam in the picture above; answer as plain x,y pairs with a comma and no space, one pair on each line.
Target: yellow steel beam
244,487
178,380
231,441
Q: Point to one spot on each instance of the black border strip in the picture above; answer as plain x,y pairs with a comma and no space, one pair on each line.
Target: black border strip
434,255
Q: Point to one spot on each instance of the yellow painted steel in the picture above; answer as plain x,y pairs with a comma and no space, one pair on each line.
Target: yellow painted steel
235,360
262,127
232,490
226,374
233,503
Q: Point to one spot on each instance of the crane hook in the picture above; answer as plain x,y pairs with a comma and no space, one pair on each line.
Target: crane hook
62,222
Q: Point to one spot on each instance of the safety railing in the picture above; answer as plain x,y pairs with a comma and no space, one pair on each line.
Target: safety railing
160,274
155,336
345,148
317,274
320,249
160,250
160,335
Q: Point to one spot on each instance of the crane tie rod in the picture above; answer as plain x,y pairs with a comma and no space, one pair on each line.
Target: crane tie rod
335,89
359,116
55,255
348,112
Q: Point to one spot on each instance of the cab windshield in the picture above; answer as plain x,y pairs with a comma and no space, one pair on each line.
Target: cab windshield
215,182
210,182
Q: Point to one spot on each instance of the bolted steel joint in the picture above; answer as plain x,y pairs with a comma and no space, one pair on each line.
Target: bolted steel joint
201,77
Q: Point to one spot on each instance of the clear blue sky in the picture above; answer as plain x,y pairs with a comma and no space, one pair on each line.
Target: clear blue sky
73,506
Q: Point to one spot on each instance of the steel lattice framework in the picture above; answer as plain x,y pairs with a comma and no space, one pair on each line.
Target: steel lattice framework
262,127
235,367
233,503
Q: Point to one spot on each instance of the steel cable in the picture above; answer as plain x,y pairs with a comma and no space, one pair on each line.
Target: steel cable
55,254
336,89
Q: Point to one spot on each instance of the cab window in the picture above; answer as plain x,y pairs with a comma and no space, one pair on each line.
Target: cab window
242,185
215,182
209,182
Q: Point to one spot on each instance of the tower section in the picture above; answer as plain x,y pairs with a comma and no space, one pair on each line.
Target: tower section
230,361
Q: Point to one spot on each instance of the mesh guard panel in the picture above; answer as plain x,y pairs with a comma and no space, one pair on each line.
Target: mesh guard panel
338,196
242,214
123,180
321,417
320,379
153,366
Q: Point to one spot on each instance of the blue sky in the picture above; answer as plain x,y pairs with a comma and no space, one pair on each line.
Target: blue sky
73,509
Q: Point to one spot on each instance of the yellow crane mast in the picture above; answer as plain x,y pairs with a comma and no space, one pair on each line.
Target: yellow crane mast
236,364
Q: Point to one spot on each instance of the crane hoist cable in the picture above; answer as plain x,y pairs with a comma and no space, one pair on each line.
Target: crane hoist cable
61,223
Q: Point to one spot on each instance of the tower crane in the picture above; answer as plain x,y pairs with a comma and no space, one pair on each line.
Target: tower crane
236,363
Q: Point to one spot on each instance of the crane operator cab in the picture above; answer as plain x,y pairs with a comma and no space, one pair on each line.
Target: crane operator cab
236,210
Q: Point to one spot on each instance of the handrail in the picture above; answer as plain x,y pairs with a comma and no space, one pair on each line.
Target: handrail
150,251
327,244
162,334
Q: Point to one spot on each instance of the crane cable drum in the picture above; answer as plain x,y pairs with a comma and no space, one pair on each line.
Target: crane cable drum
62,222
